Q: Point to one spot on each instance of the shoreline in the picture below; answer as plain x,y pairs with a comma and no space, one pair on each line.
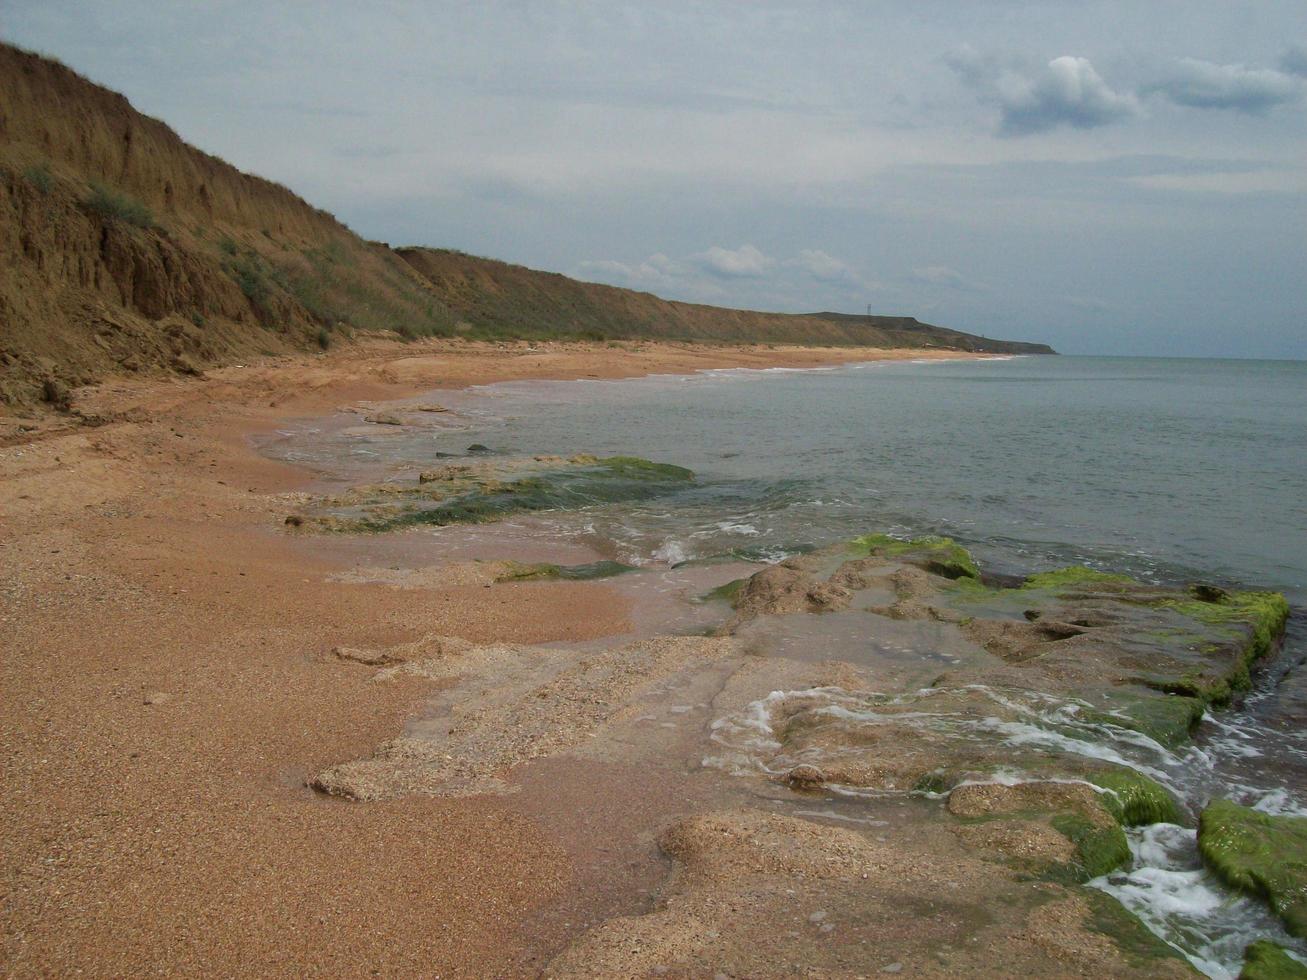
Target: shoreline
186,671
173,688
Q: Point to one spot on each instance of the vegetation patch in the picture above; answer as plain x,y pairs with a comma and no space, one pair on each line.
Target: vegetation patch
1264,613
529,571
116,206
1264,960
1165,718
1100,849
1138,944
1259,854
943,556
1134,799
39,176
728,592
484,492
1075,576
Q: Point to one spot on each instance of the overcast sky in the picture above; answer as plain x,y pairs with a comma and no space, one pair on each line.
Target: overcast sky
1108,177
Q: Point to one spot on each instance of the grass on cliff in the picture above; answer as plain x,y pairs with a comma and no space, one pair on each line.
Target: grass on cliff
339,287
114,205
39,176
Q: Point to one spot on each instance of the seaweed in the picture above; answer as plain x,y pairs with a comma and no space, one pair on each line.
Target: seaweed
1264,960
940,555
1259,854
1140,947
1099,849
1074,575
1134,799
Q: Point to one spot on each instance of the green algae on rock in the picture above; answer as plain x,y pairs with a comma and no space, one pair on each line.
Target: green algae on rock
1135,799
1073,576
943,556
1099,849
1261,854
516,571
490,490
1143,949
726,592
1264,960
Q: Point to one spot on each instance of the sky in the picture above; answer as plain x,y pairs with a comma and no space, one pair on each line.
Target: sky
1107,177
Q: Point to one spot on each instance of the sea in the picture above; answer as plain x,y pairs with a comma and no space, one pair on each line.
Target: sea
1174,470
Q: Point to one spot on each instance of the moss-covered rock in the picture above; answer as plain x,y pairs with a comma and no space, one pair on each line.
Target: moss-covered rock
1263,614
727,592
637,468
1142,948
1099,849
943,556
1168,719
1260,854
1134,799
515,571
1072,577
1264,960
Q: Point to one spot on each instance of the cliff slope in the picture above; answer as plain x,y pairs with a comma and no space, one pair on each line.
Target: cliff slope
511,300
122,248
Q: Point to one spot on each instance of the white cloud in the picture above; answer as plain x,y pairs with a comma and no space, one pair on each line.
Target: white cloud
1206,85
807,280
824,267
1068,91
745,262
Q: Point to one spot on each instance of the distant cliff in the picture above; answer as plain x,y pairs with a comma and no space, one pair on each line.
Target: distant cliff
124,249
510,300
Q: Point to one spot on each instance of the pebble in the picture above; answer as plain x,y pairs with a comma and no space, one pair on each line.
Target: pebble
892,968
817,916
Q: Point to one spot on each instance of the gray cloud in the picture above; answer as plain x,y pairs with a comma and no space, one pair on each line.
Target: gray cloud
1068,91
942,275
1206,85
1294,61
824,267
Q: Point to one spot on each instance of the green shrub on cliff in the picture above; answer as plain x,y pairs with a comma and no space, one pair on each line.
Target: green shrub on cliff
115,206
39,176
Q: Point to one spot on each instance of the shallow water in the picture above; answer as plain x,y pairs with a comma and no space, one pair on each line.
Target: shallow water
1170,470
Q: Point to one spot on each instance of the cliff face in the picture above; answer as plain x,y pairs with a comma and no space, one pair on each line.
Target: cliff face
124,249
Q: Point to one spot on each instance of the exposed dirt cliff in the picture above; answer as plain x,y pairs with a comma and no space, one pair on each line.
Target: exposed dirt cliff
122,248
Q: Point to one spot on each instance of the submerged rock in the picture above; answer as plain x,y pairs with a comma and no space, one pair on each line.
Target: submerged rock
489,490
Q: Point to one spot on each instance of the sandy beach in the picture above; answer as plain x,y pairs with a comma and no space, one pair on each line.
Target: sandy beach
169,688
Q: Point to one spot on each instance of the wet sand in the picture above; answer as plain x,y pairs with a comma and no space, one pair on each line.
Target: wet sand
169,687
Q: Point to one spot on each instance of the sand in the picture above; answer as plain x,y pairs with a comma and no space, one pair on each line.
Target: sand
169,688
